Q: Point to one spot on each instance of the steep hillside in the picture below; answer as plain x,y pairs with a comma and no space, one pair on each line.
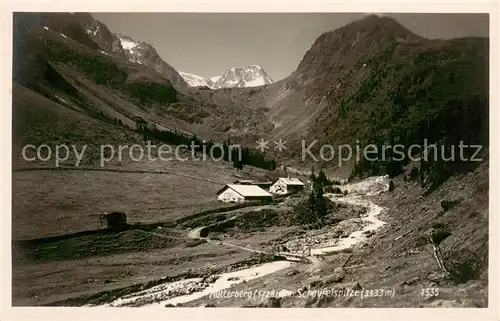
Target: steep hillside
38,120
145,54
76,57
373,81
63,57
369,82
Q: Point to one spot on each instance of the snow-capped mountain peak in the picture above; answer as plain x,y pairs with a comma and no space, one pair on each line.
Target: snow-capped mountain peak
251,76
131,46
127,43
214,79
145,54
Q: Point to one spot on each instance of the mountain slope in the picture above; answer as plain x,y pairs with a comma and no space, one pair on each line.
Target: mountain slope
38,120
373,81
74,60
145,54
62,57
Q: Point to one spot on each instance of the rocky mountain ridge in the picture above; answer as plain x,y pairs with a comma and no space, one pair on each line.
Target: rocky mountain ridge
251,76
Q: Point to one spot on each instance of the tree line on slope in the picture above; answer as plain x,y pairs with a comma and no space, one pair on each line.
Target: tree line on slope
237,154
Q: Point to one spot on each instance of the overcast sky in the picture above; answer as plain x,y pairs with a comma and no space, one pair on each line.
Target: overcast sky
207,44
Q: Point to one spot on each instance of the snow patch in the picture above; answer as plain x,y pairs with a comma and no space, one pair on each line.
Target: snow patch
256,82
45,28
195,80
62,34
127,44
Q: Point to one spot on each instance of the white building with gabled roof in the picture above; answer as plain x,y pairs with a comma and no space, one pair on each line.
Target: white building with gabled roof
239,193
286,185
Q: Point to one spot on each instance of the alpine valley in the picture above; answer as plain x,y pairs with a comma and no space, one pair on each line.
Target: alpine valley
395,224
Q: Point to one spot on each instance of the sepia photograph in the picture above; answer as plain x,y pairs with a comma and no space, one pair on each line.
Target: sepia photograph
250,160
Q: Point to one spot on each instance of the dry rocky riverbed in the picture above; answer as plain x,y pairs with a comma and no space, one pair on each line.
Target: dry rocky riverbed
328,238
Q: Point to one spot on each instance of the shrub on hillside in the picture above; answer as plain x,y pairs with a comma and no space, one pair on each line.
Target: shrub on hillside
437,236
440,226
448,204
333,189
461,265
307,214
464,265
322,179
391,186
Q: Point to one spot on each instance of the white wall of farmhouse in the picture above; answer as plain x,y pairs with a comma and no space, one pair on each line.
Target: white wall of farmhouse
279,188
230,195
